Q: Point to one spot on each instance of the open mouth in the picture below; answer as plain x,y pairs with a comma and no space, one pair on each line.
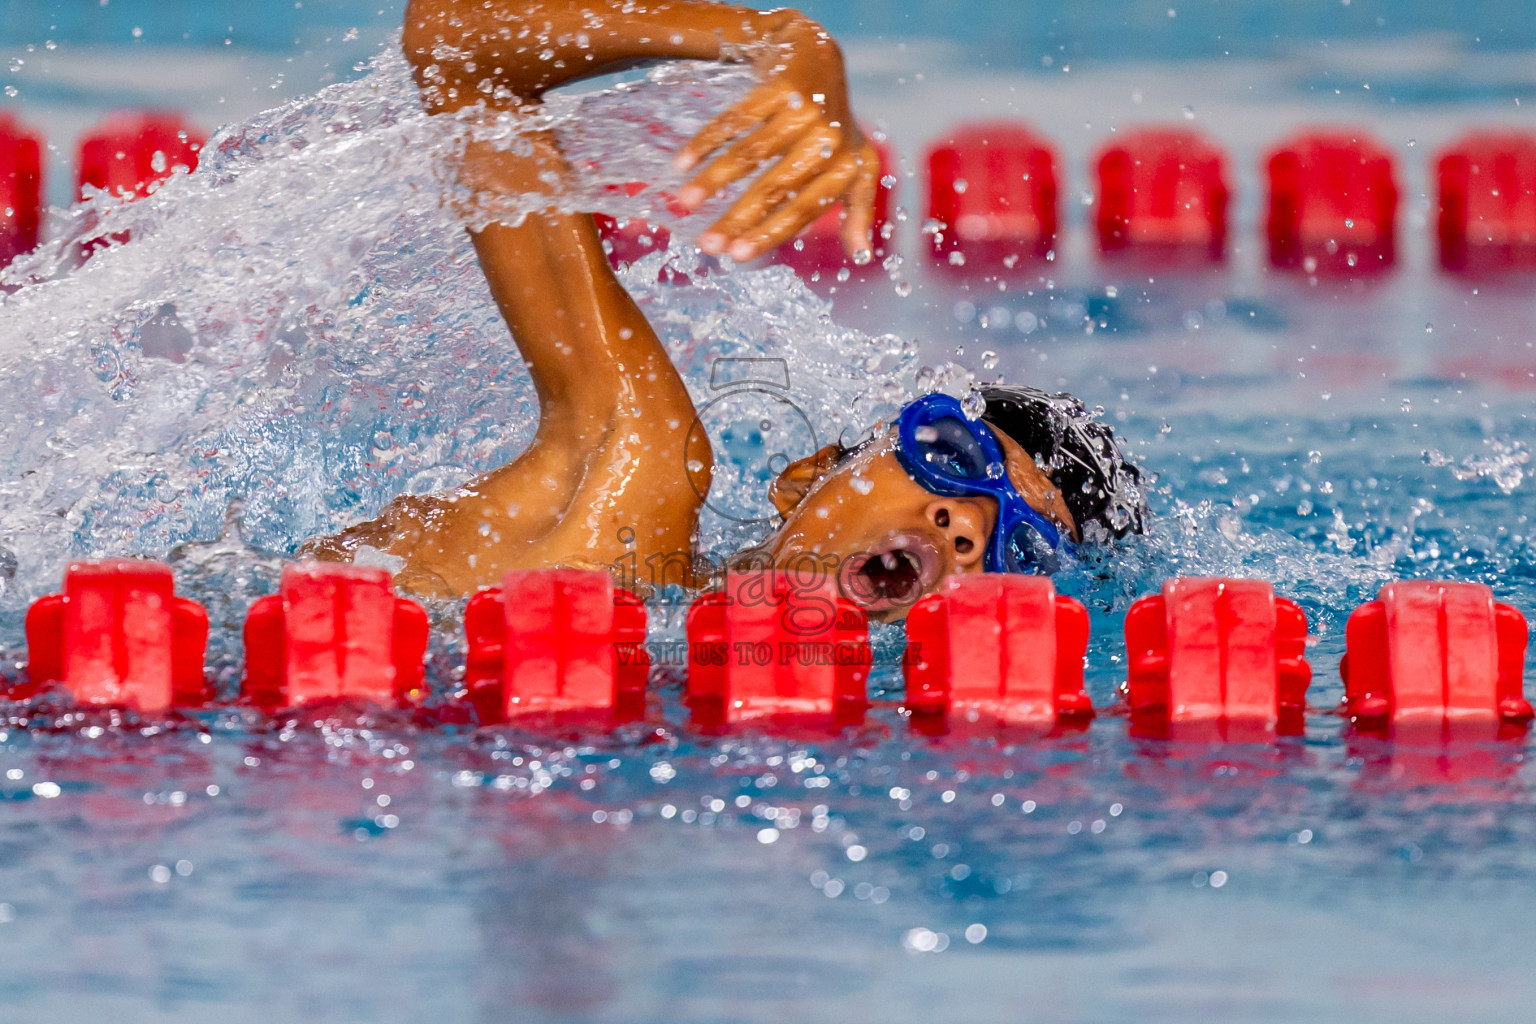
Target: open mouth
892,577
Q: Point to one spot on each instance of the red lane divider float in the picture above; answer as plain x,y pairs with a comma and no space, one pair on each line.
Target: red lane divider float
993,191
1332,204
1487,185
1430,657
992,197
993,650
774,647
631,239
334,633
119,636
1209,659
21,189
129,155
819,248
1163,190
560,643
1215,658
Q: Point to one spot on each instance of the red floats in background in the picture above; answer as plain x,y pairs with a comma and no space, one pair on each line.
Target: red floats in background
129,154
1332,204
819,248
560,642
1488,202
1430,654
21,189
775,645
1164,190
1212,653
992,196
330,633
627,241
996,649
119,636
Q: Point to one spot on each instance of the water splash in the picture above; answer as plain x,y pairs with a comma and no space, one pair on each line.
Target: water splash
302,326
1505,464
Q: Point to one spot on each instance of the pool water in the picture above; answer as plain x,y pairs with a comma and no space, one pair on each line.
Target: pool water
1327,437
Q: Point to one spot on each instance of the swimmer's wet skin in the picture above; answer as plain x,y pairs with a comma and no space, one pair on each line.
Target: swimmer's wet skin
615,471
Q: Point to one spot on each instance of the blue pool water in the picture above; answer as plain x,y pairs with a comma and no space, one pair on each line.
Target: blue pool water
1325,437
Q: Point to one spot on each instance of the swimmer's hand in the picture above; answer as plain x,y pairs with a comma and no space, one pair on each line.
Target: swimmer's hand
800,119
506,53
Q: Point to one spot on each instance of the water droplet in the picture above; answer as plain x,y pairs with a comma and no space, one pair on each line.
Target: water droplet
862,484
903,288
158,161
973,405
989,360
1189,113
996,470
16,64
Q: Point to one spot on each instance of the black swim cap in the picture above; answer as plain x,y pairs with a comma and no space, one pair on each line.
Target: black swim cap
1098,483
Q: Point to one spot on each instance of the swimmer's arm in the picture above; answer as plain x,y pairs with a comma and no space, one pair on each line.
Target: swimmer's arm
509,52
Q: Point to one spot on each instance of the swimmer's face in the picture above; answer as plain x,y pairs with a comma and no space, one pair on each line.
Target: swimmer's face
890,540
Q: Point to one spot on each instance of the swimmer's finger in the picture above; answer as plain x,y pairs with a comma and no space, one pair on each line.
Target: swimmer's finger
745,155
809,157
754,110
785,222
859,207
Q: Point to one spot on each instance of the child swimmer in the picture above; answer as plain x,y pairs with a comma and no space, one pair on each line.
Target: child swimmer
614,473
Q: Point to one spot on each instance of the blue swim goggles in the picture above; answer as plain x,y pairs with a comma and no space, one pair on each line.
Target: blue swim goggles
955,456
